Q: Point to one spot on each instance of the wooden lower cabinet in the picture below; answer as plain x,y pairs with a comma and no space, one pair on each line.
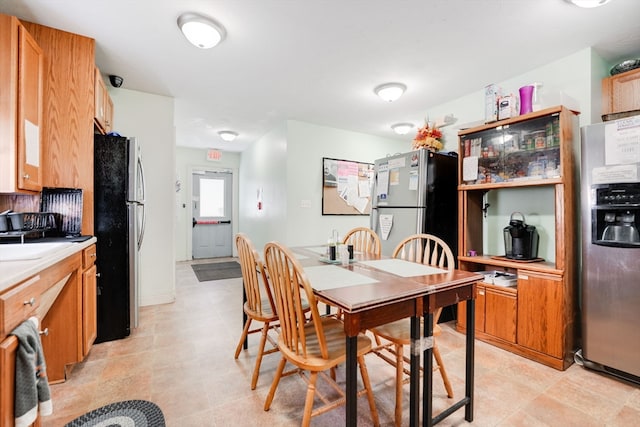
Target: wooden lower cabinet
540,323
89,300
63,297
495,312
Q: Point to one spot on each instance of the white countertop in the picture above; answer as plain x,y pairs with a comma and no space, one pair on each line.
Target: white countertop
13,272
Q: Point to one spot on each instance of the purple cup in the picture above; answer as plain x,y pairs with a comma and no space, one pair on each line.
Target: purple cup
526,96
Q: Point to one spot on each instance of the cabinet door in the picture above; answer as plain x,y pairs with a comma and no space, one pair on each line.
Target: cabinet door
8,349
540,302
621,93
89,309
100,90
500,313
29,112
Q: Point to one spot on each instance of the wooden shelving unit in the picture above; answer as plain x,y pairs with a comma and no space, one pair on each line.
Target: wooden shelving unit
537,318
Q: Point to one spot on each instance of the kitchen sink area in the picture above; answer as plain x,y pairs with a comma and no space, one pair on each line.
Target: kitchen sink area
29,251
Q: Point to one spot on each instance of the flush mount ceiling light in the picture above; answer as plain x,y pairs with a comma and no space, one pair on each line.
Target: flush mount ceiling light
588,3
228,135
402,128
390,91
201,31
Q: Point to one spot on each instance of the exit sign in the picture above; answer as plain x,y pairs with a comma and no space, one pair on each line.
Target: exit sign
214,155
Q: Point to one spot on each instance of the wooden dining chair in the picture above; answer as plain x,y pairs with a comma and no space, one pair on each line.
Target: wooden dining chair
425,249
313,345
259,306
363,239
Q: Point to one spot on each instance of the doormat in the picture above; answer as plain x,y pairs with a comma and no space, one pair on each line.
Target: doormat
131,413
217,271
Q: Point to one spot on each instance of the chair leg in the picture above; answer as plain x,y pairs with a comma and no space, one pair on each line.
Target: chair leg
364,373
399,382
443,371
274,384
256,369
308,402
243,337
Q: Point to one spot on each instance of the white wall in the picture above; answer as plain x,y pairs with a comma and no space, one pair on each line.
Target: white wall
187,160
307,145
264,166
150,118
287,164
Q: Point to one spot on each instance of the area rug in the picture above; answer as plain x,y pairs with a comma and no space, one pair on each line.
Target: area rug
217,271
130,413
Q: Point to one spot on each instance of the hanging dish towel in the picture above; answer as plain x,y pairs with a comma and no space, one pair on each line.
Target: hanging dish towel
32,388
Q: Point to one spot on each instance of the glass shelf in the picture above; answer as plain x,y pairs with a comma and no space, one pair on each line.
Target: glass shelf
524,151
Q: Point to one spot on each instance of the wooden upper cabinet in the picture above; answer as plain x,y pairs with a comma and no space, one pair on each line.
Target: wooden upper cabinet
621,93
68,111
103,105
21,108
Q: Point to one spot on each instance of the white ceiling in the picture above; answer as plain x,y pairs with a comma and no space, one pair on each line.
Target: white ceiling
318,61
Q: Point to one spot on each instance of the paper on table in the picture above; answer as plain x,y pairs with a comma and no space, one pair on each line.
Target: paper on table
324,277
403,268
322,250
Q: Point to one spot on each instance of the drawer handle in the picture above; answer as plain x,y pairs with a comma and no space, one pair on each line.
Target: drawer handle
45,332
97,274
31,302
93,255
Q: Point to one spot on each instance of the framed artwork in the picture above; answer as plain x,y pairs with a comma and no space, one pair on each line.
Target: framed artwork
346,187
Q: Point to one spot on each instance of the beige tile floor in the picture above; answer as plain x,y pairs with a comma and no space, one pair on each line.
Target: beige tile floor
181,358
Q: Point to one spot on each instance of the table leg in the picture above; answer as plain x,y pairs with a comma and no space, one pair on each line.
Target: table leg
427,377
414,384
352,381
470,350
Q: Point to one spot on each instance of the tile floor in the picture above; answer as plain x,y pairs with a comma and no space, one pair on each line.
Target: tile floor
181,358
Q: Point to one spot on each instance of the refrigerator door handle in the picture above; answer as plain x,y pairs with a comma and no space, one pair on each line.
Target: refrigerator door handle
143,187
142,226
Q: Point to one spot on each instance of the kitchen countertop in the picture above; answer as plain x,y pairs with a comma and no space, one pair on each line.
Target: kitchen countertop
14,272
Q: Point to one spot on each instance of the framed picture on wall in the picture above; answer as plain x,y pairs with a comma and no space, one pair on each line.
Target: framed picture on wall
346,187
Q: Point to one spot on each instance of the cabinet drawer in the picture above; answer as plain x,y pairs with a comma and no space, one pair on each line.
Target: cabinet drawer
19,303
88,257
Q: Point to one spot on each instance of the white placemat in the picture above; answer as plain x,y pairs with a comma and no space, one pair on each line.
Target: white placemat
322,250
324,277
403,268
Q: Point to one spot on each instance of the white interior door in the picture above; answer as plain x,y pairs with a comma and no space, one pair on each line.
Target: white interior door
212,233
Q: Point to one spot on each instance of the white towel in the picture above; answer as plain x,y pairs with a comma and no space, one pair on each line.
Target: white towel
32,388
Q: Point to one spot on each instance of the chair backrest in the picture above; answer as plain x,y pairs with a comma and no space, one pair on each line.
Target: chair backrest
363,239
425,249
251,266
289,284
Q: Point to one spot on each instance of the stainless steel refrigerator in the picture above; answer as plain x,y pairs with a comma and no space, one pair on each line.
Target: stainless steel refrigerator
610,199
415,192
119,220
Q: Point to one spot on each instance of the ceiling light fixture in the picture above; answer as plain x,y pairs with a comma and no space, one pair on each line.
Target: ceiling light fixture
588,3
402,128
201,31
228,135
390,91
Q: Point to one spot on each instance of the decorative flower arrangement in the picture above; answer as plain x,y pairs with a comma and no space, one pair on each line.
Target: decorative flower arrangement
428,137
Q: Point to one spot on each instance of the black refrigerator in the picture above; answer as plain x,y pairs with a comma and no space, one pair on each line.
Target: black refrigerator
119,219
416,192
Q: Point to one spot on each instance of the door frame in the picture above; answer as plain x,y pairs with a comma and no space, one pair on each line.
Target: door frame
234,204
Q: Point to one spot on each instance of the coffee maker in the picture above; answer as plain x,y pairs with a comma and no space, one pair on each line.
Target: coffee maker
520,239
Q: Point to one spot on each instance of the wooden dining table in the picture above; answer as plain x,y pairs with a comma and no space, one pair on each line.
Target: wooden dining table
374,290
